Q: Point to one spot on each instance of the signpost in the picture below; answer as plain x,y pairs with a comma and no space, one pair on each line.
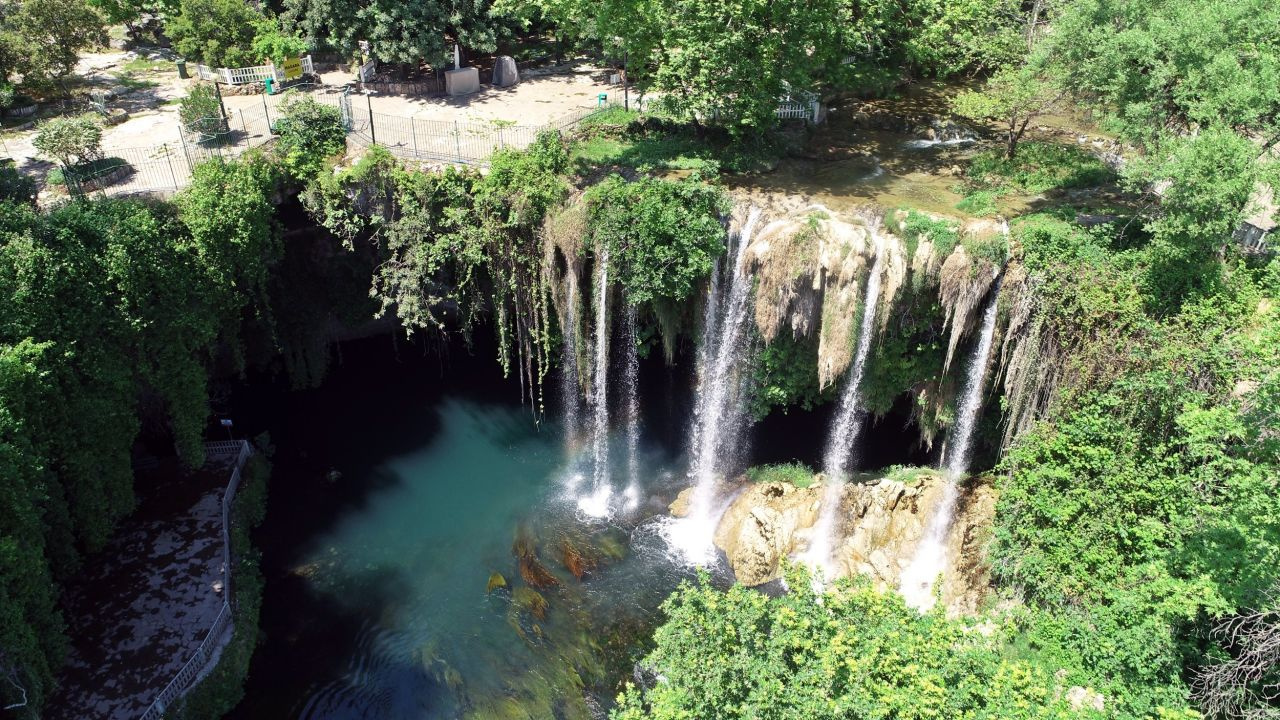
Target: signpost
293,68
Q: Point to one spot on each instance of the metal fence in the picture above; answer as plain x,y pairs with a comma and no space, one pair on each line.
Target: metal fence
167,168
239,451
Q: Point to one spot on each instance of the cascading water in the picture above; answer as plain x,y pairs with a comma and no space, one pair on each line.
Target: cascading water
838,460
720,403
943,134
931,559
570,388
597,503
630,382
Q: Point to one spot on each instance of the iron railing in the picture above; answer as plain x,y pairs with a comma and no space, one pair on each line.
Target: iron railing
240,450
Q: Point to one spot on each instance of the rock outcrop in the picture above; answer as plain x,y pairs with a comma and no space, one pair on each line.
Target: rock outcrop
881,523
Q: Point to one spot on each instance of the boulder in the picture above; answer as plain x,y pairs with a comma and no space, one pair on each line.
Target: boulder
878,528
505,73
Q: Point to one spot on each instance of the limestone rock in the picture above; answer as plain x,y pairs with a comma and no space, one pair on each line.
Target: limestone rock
505,73
880,524
1082,697
760,529
680,506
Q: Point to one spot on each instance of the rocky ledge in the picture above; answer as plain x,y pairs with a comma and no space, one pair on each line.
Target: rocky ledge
881,522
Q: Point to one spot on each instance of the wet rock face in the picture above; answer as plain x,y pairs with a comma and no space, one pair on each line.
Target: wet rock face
881,523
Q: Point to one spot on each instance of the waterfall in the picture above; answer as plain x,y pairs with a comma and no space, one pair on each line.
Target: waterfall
570,388
838,460
630,382
931,558
597,503
719,412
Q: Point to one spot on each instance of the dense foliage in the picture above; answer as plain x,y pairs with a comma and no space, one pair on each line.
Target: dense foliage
663,236
851,652
309,135
218,33
107,327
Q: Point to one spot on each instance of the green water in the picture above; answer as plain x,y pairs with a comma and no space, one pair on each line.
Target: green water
414,560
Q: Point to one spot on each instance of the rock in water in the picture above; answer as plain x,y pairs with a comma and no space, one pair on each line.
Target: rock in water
496,581
504,72
880,524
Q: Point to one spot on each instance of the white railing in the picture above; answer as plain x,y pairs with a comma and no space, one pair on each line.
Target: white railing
249,75
796,110
212,643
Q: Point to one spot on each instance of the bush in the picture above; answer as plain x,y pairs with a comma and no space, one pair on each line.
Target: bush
16,187
310,133
7,96
663,236
854,652
793,473
70,141
201,113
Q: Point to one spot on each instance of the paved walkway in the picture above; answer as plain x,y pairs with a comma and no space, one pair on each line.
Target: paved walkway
143,605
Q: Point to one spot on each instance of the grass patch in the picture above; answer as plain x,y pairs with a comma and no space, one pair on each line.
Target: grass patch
86,172
1039,167
147,65
612,115
981,203
676,151
794,473
916,226
909,476
130,82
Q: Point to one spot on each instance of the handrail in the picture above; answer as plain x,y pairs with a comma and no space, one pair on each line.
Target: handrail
181,682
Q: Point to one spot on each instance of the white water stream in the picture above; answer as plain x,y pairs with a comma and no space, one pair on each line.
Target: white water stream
721,400
631,391
839,460
931,559
596,504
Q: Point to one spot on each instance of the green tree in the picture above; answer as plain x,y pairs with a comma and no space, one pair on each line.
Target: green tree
1012,98
397,30
1157,65
731,62
49,34
229,212
219,33
269,41
1203,184
70,141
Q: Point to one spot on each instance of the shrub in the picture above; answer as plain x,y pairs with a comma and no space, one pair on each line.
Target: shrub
310,133
853,652
7,96
793,473
16,187
201,113
662,235
70,141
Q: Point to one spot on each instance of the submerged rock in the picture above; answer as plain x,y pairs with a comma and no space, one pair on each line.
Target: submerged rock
496,581
573,559
881,522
